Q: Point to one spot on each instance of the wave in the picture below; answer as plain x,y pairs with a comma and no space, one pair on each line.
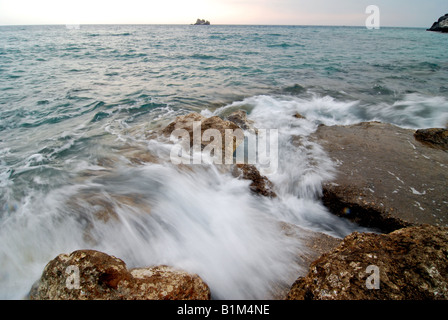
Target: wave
127,107
123,34
202,56
212,229
285,45
412,111
199,218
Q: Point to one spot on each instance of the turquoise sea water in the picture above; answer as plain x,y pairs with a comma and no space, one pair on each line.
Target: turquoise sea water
77,107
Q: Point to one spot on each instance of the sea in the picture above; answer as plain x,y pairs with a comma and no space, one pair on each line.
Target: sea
82,165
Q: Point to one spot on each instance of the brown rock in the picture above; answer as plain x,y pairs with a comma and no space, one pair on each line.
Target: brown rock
260,184
298,116
166,283
412,264
183,122
384,179
104,277
138,155
91,206
433,137
239,117
186,122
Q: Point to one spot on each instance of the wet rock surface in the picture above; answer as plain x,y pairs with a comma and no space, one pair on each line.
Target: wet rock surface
239,117
260,185
385,179
104,277
433,137
195,125
235,121
407,264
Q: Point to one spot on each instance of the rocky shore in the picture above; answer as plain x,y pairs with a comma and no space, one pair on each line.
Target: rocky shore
388,178
394,180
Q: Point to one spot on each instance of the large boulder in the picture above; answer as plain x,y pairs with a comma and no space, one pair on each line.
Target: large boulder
385,179
441,25
407,264
94,275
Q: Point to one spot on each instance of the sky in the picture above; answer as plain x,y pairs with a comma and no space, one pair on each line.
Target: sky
399,13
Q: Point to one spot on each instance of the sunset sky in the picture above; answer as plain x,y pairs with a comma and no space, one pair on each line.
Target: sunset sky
404,13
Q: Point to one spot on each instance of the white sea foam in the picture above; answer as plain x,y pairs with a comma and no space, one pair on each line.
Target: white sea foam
414,111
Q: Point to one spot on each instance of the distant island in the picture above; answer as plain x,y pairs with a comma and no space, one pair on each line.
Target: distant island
440,25
202,22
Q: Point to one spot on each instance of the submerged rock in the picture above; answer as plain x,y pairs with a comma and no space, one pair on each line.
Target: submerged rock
441,25
260,185
314,243
409,263
298,116
94,275
385,178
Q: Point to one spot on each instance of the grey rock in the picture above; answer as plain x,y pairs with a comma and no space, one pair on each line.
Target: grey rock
441,25
385,178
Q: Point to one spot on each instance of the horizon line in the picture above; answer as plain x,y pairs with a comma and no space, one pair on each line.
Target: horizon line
191,24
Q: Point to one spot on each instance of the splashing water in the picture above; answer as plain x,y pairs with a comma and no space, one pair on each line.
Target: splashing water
193,217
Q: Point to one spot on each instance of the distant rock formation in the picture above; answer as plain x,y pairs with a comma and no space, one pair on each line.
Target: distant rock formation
440,25
202,22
